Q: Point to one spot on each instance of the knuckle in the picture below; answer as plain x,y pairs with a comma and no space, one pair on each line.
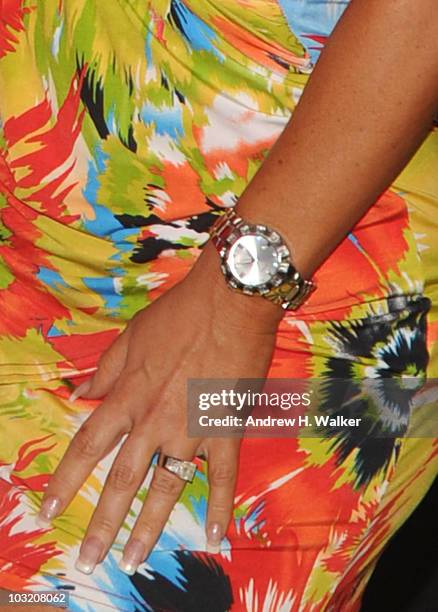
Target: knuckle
84,443
56,482
165,484
102,524
221,475
129,379
121,478
219,507
110,363
144,527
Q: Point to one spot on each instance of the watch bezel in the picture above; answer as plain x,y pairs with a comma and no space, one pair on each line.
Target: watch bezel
286,287
274,239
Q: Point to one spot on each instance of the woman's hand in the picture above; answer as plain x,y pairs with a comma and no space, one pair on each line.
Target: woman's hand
198,329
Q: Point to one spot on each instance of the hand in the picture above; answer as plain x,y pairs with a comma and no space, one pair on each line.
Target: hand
198,329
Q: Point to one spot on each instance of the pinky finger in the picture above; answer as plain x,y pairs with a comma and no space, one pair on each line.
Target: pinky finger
223,456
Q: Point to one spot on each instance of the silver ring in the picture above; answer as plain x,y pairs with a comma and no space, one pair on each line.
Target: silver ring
183,469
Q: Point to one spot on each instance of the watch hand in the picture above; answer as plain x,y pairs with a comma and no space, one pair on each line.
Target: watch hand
251,248
246,261
244,256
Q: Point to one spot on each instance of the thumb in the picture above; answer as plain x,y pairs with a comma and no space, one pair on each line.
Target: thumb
110,365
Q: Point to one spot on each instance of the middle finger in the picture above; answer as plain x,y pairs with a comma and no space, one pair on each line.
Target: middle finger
125,478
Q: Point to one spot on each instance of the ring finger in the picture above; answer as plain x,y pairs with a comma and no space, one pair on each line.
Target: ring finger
164,491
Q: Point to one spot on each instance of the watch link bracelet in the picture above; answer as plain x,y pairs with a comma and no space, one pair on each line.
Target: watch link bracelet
256,261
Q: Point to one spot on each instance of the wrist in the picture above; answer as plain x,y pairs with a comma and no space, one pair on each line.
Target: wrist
253,312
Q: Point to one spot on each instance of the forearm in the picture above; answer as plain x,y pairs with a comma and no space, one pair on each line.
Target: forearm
368,105
366,108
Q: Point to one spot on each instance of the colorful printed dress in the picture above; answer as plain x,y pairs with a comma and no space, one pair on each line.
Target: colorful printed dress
125,128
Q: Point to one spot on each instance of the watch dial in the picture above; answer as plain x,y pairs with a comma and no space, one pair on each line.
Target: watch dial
253,260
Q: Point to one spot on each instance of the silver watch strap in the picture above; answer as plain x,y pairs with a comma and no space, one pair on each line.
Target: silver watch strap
223,227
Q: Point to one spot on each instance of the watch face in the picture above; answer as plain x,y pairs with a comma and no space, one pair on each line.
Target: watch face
253,260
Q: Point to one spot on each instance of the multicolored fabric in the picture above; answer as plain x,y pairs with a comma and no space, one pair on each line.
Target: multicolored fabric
125,128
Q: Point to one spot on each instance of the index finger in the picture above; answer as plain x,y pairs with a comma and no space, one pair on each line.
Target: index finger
96,437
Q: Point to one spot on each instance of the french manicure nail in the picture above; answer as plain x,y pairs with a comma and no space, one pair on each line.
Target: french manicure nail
89,556
49,509
214,538
79,391
133,555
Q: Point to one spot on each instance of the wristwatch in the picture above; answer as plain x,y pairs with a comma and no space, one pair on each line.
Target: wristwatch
256,261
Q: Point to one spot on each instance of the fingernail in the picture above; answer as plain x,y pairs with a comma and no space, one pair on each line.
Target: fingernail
79,391
133,555
49,509
214,538
89,556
